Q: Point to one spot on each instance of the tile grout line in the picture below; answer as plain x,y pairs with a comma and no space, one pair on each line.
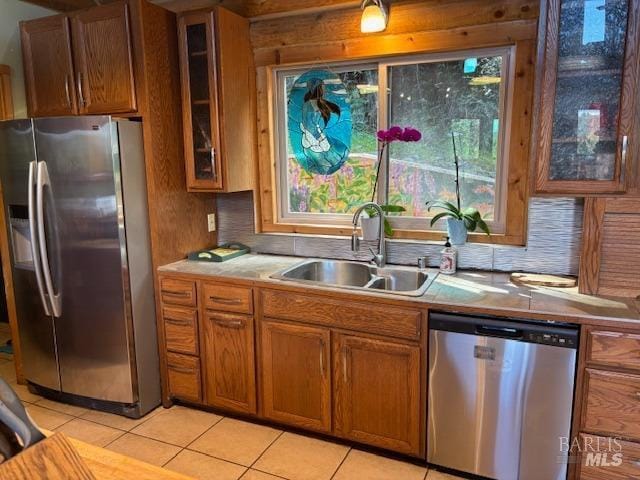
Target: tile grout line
340,465
282,432
164,465
190,443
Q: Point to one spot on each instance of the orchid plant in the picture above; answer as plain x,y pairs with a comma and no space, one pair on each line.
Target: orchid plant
470,216
385,138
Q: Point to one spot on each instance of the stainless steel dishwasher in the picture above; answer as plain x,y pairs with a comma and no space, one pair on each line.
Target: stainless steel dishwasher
500,396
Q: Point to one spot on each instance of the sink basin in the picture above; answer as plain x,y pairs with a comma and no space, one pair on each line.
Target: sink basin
397,280
353,275
330,272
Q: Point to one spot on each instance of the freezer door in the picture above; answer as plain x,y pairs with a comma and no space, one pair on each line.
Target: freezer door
498,408
36,327
87,263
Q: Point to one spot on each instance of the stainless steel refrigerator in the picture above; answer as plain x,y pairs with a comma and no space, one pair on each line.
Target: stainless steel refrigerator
76,214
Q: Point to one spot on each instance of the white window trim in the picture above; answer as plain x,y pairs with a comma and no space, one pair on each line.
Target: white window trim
284,216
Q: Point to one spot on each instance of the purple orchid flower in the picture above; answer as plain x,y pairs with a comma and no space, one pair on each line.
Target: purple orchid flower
396,133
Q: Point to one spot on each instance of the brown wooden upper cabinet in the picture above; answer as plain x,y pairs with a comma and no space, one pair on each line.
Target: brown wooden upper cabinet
79,63
587,96
218,98
48,66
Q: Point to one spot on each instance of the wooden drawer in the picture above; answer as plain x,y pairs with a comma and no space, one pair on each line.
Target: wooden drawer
617,349
371,318
612,404
178,292
630,457
227,298
181,329
183,373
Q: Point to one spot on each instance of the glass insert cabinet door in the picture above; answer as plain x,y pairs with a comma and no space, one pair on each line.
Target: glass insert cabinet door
199,101
587,94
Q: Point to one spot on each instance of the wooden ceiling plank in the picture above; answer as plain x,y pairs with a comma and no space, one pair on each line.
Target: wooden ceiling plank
407,17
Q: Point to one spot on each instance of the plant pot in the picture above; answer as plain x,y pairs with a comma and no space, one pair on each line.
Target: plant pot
457,231
370,228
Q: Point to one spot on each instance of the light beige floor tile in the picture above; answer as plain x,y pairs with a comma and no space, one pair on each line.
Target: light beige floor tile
24,394
177,425
202,467
61,407
301,458
89,432
434,475
45,418
117,421
256,475
236,441
366,466
144,449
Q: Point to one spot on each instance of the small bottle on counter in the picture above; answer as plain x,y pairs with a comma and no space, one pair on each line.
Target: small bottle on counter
448,259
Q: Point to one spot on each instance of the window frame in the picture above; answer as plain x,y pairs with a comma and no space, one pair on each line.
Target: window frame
383,66
519,35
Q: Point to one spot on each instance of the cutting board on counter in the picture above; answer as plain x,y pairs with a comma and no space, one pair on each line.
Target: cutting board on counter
540,280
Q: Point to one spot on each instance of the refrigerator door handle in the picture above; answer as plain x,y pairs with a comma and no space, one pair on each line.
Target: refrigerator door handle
42,180
37,266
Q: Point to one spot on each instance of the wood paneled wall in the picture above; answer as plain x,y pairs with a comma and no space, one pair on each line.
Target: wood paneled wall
413,26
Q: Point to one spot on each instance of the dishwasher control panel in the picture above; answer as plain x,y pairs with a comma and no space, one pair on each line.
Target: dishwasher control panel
555,339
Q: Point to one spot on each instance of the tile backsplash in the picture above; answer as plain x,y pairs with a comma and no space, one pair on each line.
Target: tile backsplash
553,244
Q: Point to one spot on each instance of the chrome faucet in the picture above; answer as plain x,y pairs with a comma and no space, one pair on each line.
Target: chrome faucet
380,259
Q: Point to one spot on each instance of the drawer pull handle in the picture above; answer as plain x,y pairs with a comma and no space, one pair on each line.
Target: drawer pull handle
230,323
172,293
178,369
226,301
177,321
322,357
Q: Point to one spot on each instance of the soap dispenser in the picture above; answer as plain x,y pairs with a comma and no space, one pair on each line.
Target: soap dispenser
448,259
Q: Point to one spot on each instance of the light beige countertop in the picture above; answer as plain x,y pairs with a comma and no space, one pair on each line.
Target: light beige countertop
466,290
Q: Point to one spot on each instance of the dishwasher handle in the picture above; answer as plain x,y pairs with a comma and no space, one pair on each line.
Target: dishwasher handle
499,331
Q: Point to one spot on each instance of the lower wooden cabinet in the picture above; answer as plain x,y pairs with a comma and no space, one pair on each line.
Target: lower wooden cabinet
296,375
183,372
606,459
611,404
377,392
229,359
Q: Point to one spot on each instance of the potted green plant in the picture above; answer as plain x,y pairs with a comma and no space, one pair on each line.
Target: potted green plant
371,222
459,221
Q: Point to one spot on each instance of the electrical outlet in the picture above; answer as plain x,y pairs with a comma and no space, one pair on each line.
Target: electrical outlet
211,222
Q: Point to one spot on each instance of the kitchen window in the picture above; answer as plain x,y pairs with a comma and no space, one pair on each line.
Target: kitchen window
465,95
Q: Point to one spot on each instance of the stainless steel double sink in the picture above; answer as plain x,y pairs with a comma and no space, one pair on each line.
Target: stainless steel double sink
410,282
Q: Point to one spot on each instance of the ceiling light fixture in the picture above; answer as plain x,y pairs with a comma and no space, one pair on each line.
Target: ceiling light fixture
375,16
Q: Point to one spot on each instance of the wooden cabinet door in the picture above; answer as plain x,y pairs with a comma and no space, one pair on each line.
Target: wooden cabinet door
198,77
103,60
377,392
48,66
586,112
296,378
229,362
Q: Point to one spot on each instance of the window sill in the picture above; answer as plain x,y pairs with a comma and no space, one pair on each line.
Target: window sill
420,235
